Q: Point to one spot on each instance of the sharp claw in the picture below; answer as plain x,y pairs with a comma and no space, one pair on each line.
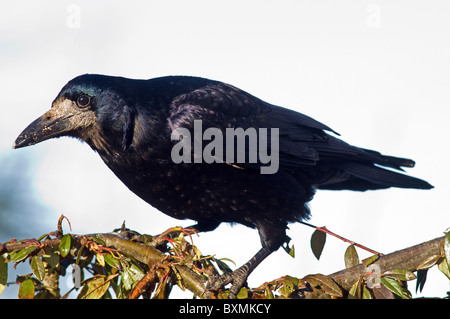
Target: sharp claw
216,282
237,280
239,276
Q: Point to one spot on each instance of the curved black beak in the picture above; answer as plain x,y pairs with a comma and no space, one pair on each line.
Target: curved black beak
43,128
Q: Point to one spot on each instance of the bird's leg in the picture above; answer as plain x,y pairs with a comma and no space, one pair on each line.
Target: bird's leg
238,277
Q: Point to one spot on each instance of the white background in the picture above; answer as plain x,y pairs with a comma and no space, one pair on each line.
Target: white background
377,72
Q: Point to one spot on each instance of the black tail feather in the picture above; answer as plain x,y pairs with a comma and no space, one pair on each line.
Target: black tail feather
367,176
389,161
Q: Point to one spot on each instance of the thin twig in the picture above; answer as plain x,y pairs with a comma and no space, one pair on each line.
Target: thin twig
147,282
171,233
61,218
327,231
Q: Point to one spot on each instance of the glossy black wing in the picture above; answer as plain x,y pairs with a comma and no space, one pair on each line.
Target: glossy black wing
303,144
224,107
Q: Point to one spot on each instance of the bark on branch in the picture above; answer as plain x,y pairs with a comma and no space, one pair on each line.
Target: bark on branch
408,258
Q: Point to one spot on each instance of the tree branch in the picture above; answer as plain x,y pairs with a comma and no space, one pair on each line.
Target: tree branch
408,258
151,256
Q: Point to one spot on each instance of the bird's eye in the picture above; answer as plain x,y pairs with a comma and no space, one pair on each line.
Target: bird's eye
83,100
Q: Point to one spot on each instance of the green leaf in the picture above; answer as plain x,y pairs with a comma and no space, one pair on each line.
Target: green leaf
400,274
429,262
351,257
131,275
223,294
94,288
243,293
26,289
318,240
326,283
268,293
289,286
20,254
444,268
284,291
355,290
42,237
100,259
382,292
112,261
291,251
64,245
3,273
223,266
394,286
127,279
370,260
38,268
447,247
291,279
366,293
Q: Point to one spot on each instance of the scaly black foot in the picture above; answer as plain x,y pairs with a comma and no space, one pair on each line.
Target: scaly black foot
237,279
239,276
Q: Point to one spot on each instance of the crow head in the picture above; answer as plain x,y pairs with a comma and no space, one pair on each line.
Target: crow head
90,107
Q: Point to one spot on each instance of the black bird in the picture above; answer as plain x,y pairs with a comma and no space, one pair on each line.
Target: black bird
130,124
